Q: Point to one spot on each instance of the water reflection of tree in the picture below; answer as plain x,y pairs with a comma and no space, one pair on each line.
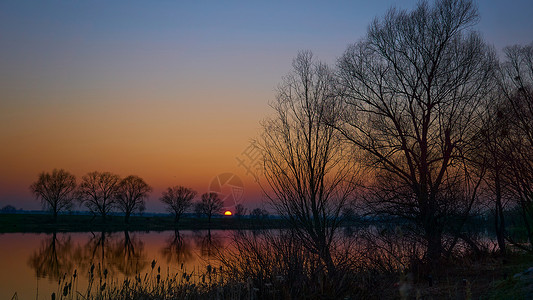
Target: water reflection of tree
57,255
128,255
178,249
93,253
54,258
209,244
109,252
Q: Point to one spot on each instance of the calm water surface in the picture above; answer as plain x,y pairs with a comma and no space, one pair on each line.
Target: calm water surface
31,265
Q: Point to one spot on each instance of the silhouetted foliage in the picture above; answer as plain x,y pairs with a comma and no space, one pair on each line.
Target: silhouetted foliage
55,190
131,194
97,192
178,199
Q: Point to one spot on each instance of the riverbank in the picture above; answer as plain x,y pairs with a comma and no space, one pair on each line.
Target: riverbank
43,223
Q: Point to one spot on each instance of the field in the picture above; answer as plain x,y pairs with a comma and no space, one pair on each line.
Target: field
85,223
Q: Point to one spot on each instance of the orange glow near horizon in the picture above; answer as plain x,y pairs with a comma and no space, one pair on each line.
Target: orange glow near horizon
228,213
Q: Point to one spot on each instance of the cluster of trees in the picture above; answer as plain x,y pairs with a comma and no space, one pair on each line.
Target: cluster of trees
103,192
418,120
100,192
179,199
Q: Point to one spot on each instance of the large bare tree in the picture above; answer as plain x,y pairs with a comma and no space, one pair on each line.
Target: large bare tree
414,86
131,194
178,199
97,191
516,83
55,190
310,174
492,156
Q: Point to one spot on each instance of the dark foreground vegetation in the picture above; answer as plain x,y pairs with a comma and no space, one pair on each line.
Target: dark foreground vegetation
272,265
85,223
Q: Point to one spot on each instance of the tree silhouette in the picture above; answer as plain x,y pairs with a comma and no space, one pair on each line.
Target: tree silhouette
97,191
492,156
259,213
55,190
209,205
178,199
516,84
240,211
131,194
309,171
413,87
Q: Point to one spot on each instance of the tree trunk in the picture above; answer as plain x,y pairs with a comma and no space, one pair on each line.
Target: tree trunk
525,217
127,217
498,217
326,256
434,245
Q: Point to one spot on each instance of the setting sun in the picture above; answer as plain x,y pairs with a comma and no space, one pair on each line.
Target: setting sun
228,213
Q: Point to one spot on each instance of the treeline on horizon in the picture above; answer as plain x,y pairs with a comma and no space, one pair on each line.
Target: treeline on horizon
104,192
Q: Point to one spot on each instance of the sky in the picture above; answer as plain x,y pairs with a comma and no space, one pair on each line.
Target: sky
171,91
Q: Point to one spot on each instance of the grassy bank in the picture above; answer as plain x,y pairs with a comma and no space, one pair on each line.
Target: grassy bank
84,223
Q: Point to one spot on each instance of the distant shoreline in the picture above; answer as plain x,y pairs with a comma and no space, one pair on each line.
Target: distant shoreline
43,223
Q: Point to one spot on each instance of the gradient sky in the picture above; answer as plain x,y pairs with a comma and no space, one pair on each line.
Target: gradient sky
171,91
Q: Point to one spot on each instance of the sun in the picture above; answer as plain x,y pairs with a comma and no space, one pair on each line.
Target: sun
228,213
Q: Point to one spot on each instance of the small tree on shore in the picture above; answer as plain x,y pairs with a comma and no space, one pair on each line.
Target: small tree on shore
240,211
97,191
178,199
259,213
131,194
55,190
210,204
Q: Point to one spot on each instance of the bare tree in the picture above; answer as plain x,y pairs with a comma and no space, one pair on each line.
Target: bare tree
491,156
516,83
97,191
259,213
131,194
178,199
414,86
310,173
55,190
240,210
209,205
